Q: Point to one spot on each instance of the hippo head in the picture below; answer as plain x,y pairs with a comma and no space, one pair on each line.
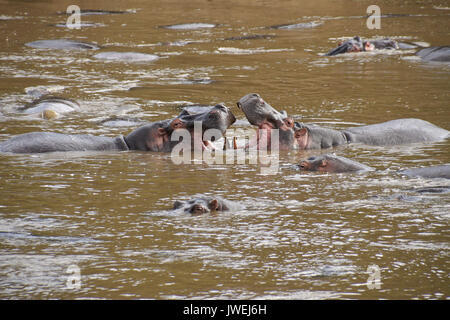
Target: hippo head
266,118
218,118
332,163
200,205
319,163
151,137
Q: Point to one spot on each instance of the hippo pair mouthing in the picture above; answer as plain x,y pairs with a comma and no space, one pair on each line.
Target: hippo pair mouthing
154,136
308,136
336,164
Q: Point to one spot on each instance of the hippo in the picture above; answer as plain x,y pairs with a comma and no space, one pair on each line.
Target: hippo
218,117
439,54
356,44
86,12
336,164
205,204
261,114
154,136
126,56
394,132
62,44
440,171
48,103
189,26
302,25
332,163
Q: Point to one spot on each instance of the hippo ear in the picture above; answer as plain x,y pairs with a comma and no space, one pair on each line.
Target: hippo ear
213,205
301,132
177,205
323,163
162,131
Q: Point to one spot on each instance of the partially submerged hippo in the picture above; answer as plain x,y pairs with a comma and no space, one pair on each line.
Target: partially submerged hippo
154,136
308,136
439,54
356,44
218,117
126,56
441,171
205,204
332,163
336,164
62,44
394,132
46,103
266,118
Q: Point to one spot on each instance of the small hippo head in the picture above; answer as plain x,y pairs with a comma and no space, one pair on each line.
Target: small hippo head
151,137
200,205
319,163
332,163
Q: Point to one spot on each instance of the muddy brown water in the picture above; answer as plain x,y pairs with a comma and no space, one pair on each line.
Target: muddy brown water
301,235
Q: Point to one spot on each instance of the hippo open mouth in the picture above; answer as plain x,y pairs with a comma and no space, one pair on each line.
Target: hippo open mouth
217,119
266,118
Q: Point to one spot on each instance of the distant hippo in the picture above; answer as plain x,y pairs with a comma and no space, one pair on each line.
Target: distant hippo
439,54
356,44
336,164
47,103
205,204
62,44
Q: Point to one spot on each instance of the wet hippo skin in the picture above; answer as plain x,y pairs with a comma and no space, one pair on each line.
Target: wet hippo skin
394,132
154,136
336,164
151,137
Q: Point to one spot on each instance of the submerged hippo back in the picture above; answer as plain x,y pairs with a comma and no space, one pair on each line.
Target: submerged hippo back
38,142
396,132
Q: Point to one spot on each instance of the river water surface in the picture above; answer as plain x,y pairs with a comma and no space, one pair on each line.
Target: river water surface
300,235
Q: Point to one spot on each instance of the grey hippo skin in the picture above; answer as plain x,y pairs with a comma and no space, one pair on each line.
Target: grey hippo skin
151,137
439,54
261,114
51,103
356,44
441,171
62,44
154,136
332,163
336,164
205,204
394,132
